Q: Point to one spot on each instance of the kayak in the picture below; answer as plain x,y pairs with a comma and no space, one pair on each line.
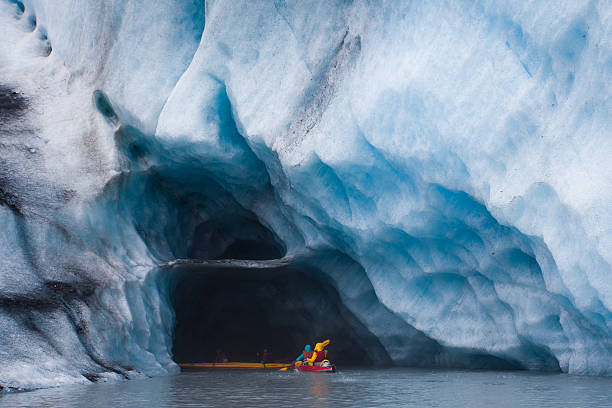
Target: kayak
268,366
237,365
317,369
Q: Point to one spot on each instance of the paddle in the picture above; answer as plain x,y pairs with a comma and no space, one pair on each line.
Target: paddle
292,366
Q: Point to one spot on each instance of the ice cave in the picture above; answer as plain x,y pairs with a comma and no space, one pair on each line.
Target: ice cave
429,185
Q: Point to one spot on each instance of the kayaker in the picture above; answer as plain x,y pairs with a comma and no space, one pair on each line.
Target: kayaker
221,357
319,354
306,354
218,357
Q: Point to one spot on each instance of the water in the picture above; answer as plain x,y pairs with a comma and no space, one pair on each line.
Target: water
363,388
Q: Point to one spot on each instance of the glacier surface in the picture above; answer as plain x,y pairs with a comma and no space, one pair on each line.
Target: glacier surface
443,166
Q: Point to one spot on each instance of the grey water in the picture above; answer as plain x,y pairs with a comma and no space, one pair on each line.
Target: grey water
351,388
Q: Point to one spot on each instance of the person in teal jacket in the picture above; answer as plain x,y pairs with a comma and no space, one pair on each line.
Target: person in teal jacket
306,354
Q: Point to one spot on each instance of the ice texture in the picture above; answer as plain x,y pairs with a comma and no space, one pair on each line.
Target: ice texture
446,165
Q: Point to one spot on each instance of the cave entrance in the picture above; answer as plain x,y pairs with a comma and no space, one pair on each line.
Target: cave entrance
243,311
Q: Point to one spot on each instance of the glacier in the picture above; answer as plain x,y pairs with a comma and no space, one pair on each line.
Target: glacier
435,176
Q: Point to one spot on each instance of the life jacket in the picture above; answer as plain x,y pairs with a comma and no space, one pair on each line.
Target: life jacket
307,355
320,356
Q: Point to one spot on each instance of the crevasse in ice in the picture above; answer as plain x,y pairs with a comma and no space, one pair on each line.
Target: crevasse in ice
445,167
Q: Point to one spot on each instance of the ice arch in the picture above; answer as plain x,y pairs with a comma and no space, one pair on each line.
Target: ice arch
442,171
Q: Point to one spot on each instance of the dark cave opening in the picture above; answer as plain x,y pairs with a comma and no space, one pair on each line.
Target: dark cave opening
235,238
191,220
243,311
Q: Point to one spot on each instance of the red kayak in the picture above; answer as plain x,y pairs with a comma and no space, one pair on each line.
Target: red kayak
317,369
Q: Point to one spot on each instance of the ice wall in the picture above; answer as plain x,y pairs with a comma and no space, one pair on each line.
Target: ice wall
445,164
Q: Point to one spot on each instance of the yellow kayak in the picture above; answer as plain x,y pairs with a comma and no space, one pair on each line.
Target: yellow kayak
261,366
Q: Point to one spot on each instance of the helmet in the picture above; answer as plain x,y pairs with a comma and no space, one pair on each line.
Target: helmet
307,347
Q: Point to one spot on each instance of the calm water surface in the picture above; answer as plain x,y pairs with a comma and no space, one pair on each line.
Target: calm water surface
362,388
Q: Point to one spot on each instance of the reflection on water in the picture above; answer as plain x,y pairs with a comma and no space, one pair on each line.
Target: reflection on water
319,388
363,388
